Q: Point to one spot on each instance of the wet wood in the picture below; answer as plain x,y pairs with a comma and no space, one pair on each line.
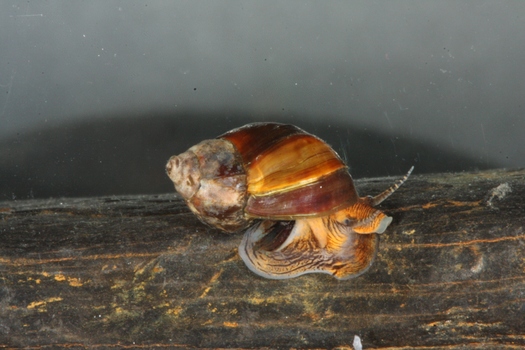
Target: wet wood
141,271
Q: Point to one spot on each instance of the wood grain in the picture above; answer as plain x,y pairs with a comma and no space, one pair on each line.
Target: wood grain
141,271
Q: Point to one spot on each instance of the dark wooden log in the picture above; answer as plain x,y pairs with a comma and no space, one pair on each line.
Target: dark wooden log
141,271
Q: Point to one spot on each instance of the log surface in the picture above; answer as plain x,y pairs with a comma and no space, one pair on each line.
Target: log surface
142,271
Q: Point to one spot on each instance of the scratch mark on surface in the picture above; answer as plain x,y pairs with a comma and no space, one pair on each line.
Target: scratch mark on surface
388,119
31,15
9,87
28,261
213,278
458,244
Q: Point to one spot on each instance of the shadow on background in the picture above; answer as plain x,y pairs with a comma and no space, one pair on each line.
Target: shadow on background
126,155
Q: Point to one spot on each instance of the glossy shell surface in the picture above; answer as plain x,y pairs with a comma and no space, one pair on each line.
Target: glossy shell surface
261,171
290,173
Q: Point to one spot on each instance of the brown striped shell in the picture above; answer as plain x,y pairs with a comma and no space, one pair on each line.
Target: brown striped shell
312,217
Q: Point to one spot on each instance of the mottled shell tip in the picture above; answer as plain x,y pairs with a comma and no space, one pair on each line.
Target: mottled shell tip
184,171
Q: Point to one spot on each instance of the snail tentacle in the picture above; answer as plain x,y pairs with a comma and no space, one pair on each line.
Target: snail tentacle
374,201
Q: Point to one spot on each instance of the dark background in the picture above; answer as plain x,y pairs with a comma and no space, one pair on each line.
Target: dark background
95,96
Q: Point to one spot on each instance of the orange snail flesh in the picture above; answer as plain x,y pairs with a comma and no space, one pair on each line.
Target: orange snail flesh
312,217
343,244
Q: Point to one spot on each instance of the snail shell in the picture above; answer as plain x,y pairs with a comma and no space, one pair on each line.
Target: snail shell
293,193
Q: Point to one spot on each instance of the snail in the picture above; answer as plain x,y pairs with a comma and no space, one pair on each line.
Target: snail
290,192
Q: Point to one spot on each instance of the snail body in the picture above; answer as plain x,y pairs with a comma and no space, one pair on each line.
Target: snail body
292,194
